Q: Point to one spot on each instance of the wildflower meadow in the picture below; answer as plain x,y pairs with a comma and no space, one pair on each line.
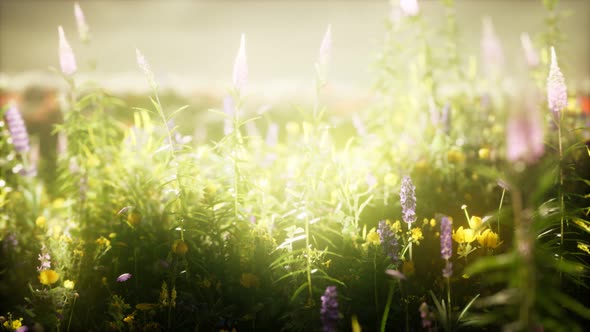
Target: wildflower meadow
449,203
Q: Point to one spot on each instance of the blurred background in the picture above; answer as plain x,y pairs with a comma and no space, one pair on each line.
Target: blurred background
191,47
191,44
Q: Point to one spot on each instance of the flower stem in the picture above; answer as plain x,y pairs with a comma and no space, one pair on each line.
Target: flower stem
387,306
500,209
561,191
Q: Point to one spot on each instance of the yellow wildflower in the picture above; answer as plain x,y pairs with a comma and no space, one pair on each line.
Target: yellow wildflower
464,235
396,227
488,239
179,247
432,222
112,235
455,156
69,284
58,203
128,319
475,223
249,280
103,241
48,277
484,153
417,234
40,221
16,323
373,237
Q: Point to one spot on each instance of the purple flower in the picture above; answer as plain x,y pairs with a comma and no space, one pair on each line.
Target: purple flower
409,7
329,311
531,56
81,22
426,316
556,89
145,67
124,277
446,241
326,47
44,259
447,272
524,134
491,49
407,197
67,60
388,241
240,74
17,129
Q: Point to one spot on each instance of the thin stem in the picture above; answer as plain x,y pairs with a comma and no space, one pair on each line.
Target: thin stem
71,313
410,239
375,280
387,307
561,190
500,209
308,252
450,306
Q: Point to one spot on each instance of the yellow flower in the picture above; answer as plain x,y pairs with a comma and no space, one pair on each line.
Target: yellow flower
373,237
396,227
475,223
128,319
40,221
103,241
464,235
417,234
455,156
488,239
432,222
249,280
179,247
48,277
69,284
484,153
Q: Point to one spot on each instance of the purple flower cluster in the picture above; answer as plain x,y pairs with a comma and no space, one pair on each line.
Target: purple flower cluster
556,88
427,317
388,241
44,259
446,244
124,277
407,198
329,311
17,129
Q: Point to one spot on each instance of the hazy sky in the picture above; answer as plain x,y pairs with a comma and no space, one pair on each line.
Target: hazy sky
197,40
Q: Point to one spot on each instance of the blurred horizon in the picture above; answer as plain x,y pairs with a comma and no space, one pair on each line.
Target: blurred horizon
191,45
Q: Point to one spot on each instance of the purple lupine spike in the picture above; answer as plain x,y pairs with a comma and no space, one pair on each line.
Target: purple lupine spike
17,129
44,259
388,241
145,67
525,134
530,54
229,109
447,271
329,311
240,74
409,7
556,89
326,47
491,48
446,241
407,197
67,60
81,22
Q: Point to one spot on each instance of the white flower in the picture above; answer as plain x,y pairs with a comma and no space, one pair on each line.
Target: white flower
240,74
67,59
